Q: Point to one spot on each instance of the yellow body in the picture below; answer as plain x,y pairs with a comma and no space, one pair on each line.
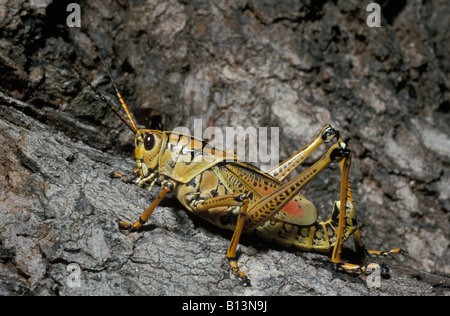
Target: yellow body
215,185
201,172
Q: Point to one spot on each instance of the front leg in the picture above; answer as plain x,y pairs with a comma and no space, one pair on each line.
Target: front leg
166,188
126,178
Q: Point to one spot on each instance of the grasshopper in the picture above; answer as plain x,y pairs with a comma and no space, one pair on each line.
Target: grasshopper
215,185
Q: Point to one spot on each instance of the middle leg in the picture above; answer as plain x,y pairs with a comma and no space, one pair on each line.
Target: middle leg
231,200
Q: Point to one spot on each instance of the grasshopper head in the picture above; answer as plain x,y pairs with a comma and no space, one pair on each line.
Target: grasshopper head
148,144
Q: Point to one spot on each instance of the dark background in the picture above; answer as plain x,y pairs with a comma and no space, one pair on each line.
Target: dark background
296,65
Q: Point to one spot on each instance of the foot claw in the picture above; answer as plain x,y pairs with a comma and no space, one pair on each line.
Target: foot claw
371,267
116,175
245,281
384,269
125,226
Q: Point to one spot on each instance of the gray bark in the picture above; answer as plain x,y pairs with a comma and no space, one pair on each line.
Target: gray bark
287,64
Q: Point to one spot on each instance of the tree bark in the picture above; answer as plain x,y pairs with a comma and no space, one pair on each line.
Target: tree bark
287,64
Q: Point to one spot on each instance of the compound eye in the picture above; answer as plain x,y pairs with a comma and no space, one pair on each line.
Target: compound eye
149,141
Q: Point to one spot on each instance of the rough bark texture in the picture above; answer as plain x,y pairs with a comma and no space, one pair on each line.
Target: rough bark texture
296,65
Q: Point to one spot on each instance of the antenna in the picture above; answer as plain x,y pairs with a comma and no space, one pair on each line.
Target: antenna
131,126
119,96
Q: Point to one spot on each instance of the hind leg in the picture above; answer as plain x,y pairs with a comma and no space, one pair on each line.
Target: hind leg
361,248
346,195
